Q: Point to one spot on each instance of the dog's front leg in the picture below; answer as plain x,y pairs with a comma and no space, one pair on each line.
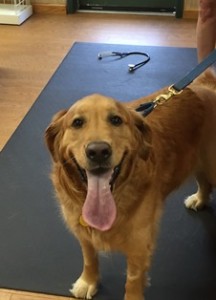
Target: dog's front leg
86,285
137,268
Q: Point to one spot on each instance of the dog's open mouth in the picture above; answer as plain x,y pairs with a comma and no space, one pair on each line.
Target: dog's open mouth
99,171
99,210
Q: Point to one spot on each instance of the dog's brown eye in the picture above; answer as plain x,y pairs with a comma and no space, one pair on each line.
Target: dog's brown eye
115,120
78,123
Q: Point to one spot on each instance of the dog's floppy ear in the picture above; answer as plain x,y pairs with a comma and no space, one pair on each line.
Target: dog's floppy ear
143,135
52,131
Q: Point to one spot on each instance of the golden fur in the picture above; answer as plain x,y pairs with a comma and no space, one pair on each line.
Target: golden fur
157,153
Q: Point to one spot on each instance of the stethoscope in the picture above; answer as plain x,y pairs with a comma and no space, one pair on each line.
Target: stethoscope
132,67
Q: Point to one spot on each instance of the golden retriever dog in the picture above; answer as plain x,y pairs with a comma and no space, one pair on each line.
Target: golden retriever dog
113,169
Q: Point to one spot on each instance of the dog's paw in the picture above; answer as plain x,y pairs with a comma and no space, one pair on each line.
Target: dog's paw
193,202
148,280
82,289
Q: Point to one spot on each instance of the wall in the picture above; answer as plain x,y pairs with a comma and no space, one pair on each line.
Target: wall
190,4
191,9
60,2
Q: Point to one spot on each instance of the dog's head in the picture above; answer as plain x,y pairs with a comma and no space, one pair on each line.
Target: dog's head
97,136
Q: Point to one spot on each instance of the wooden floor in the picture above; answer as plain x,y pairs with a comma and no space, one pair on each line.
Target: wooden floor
30,53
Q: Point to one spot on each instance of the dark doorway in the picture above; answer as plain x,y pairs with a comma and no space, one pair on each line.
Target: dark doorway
160,6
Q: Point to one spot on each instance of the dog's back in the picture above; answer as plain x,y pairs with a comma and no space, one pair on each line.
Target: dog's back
207,79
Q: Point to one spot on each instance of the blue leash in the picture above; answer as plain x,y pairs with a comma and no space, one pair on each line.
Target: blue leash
178,87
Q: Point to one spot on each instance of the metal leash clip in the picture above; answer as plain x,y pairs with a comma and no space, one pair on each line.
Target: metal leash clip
146,108
162,98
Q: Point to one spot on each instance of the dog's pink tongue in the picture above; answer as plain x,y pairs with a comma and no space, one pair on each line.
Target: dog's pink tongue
99,209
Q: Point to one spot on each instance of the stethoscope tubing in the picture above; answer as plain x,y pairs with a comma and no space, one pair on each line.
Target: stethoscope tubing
132,67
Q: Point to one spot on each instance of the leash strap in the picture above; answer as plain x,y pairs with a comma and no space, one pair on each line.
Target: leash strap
177,88
200,68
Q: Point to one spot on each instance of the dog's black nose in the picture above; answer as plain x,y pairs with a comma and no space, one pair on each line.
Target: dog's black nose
98,152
